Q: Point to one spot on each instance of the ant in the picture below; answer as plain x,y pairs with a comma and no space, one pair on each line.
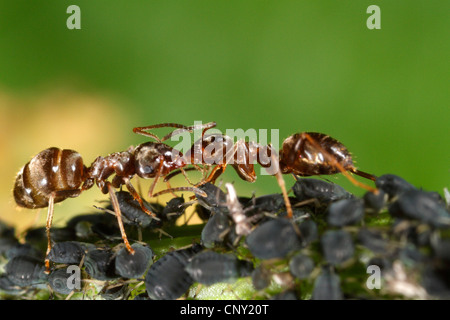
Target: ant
54,175
301,154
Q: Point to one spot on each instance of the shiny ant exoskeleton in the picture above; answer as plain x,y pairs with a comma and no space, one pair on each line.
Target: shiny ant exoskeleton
54,175
302,154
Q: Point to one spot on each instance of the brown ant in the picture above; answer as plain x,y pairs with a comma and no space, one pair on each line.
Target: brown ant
54,175
302,154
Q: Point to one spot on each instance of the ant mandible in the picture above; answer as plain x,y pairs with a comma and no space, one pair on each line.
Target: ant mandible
54,175
301,154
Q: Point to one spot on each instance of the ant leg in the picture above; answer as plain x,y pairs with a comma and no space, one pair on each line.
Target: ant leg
51,206
181,128
51,202
178,171
142,130
220,168
364,174
158,175
138,198
281,183
116,206
215,173
205,127
275,171
342,169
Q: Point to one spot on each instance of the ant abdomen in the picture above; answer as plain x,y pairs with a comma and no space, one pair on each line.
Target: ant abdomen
52,171
312,153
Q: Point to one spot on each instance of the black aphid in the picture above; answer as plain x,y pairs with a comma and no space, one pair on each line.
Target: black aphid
441,248
93,226
210,267
373,240
412,231
301,266
132,212
167,279
261,278
25,271
422,206
345,212
267,203
69,252
60,280
375,201
35,236
324,192
216,230
24,250
203,213
174,209
100,264
6,285
308,232
115,292
215,197
273,239
393,185
133,265
327,285
337,246
410,255
6,244
436,281
384,263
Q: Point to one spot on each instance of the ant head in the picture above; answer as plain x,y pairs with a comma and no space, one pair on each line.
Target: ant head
152,158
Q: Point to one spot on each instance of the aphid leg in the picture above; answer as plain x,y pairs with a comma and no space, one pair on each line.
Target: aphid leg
138,198
342,169
116,207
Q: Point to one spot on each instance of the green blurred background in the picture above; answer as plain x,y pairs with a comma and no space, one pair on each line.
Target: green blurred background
288,65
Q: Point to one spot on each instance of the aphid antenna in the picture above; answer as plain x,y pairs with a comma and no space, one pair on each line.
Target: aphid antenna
161,233
140,282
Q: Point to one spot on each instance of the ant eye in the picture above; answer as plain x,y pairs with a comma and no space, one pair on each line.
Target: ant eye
145,170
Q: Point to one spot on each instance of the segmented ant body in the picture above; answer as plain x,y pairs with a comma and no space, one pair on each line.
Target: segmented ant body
302,154
54,175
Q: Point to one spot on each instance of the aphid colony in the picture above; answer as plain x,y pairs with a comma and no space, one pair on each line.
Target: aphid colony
322,252
305,244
